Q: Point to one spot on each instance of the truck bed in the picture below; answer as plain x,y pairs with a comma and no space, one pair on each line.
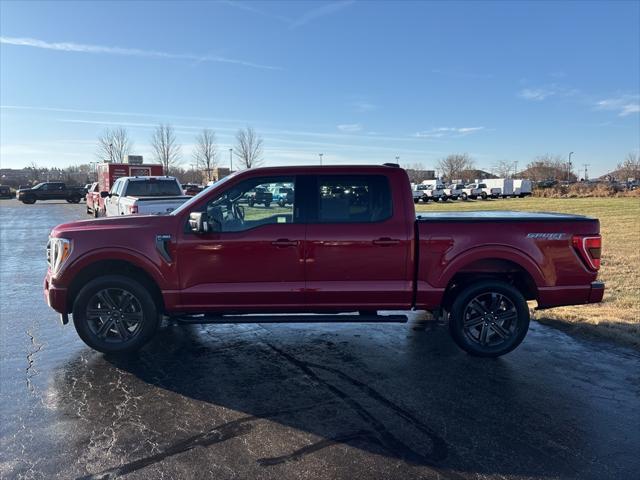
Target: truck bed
500,216
152,198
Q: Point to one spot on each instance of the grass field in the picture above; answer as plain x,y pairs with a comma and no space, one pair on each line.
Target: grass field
618,316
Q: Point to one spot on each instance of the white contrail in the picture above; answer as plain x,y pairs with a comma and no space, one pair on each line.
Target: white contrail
135,52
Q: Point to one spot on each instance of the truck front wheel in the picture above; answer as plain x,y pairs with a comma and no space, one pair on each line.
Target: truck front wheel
115,314
489,319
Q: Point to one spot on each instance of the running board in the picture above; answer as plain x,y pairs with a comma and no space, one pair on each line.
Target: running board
293,318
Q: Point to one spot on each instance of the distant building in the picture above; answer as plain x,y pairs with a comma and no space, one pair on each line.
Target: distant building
133,159
219,173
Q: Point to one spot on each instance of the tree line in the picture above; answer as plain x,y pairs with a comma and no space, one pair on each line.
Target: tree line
461,166
114,144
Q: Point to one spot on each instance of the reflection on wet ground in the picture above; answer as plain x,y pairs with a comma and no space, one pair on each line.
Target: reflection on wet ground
298,401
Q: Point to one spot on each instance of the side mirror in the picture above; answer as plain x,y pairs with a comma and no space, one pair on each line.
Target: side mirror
200,223
105,194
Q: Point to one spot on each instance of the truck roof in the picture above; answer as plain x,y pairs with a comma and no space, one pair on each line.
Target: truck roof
149,177
500,216
321,168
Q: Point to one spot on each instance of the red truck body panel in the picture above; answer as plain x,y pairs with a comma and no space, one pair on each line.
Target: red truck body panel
108,173
397,263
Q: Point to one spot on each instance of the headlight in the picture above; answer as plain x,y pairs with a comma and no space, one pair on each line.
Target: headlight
58,250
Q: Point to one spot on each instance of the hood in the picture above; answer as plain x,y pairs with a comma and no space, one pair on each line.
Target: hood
115,223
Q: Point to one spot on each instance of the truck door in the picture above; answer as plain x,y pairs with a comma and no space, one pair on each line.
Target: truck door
253,258
358,244
111,203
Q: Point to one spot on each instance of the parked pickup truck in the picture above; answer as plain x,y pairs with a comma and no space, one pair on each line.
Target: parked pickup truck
351,242
50,191
454,191
143,195
95,203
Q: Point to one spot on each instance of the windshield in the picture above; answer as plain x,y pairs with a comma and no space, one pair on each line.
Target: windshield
153,188
187,205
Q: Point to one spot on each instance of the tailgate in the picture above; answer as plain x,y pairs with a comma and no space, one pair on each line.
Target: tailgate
153,205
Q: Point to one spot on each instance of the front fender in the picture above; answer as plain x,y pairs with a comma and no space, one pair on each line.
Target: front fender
155,268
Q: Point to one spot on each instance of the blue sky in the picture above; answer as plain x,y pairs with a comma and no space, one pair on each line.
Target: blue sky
359,81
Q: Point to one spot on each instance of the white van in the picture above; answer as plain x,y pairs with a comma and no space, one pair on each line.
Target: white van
521,188
504,184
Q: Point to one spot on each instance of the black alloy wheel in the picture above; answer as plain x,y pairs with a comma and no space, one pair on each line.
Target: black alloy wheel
489,318
114,314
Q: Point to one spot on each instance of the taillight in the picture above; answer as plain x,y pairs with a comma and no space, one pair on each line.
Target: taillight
133,209
589,248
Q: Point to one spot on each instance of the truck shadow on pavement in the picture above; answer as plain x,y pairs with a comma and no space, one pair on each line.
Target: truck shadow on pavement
415,399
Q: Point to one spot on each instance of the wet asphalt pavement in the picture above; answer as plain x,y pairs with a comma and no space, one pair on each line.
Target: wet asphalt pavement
287,401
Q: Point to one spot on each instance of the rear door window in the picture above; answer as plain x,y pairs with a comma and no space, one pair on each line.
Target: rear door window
351,199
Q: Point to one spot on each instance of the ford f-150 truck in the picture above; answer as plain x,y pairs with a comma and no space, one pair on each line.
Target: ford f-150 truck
350,242
143,195
50,191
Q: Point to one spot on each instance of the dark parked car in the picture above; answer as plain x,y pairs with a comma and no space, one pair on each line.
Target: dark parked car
191,189
259,195
50,191
5,191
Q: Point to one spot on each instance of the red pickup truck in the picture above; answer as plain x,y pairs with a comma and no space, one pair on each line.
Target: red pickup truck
350,242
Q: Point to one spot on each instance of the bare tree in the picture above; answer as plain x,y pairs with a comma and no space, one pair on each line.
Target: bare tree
549,167
453,165
503,169
205,153
113,145
166,150
34,172
629,168
248,148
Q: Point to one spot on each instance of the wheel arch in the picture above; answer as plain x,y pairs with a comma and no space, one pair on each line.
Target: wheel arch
123,267
487,263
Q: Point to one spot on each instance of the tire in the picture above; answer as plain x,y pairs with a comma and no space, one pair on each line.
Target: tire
267,204
29,200
489,318
416,200
250,203
483,195
119,297
464,197
74,199
281,203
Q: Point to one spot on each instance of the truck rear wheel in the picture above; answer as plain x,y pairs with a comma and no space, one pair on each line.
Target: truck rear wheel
115,314
489,318
29,200
74,199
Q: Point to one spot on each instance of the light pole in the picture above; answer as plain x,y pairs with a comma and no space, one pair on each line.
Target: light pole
320,155
569,171
231,160
398,159
515,168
